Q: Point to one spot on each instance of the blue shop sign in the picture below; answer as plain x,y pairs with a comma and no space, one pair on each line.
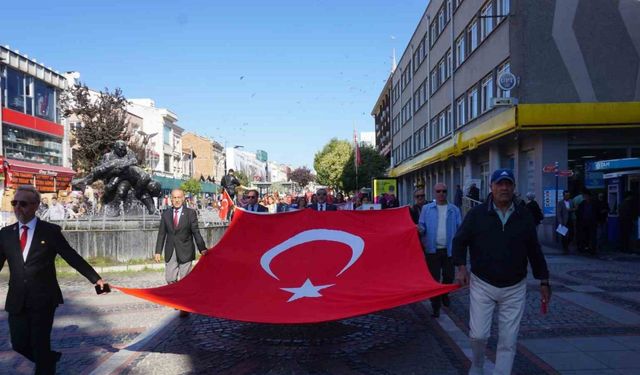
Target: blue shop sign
613,164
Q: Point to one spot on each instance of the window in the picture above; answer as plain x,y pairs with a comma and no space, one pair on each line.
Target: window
441,21
167,135
472,99
442,72
503,9
449,12
473,36
15,90
504,68
23,144
434,81
460,111
487,93
449,120
442,125
44,99
460,56
487,20
167,162
449,59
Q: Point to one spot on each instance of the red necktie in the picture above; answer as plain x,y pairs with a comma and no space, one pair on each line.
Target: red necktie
23,237
175,218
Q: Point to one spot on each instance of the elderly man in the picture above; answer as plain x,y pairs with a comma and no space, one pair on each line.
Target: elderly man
501,237
438,223
321,204
31,246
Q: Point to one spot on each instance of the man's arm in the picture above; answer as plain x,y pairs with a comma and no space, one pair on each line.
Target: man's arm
2,256
196,232
459,252
162,234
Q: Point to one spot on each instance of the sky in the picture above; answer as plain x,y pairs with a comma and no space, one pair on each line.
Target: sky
280,76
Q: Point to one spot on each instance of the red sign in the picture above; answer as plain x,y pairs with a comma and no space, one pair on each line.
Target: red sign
565,173
550,168
305,266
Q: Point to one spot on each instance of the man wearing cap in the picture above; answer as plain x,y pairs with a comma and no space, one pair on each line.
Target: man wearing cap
501,237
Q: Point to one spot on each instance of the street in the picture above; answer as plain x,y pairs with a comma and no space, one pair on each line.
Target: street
592,327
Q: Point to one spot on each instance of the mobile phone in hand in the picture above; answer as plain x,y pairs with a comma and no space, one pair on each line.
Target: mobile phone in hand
105,289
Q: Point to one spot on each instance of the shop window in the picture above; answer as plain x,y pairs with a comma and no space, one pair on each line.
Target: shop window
24,144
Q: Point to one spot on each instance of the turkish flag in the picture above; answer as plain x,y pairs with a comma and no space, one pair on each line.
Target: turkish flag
225,205
305,266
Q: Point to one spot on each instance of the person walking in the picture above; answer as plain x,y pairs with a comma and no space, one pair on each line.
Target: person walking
321,202
502,241
419,202
177,232
534,208
30,247
564,215
438,224
457,200
587,224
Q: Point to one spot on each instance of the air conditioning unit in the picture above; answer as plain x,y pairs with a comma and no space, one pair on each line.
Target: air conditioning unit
503,102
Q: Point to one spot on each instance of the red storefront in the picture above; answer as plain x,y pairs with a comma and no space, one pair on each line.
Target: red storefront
32,148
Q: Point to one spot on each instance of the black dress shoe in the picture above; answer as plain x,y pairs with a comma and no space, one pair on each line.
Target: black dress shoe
446,301
435,314
184,314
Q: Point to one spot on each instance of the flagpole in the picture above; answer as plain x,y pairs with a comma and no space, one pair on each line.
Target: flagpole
355,153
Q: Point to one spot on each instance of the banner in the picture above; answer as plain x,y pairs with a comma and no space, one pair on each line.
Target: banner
305,266
384,186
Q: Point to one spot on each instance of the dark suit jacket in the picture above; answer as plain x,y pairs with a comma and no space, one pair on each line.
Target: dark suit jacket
563,213
181,238
33,284
329,207
261,208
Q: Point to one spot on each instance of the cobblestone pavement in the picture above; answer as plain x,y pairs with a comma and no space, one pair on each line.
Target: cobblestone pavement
89,330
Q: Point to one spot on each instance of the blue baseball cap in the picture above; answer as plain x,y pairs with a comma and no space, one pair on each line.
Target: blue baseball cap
503,174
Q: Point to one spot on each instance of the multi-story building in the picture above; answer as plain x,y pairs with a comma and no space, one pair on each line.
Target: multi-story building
161,125
485,84
382,117
33,134
208,162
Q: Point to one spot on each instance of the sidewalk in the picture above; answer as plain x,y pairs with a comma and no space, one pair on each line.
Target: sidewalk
593,327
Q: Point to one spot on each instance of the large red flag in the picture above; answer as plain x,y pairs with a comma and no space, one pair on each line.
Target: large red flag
305,266
225,205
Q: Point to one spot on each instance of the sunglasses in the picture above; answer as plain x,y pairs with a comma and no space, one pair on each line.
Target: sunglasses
252,196
21,203
441,191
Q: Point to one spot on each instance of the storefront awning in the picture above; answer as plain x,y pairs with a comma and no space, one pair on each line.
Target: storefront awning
35,168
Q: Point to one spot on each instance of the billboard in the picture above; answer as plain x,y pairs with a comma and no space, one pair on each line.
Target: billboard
384,185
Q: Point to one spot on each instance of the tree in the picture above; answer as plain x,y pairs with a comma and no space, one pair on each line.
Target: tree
104,121
191,186
330,162
373,165
302,176
242,177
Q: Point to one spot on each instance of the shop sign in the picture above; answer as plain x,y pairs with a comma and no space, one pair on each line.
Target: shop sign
47,173
507,81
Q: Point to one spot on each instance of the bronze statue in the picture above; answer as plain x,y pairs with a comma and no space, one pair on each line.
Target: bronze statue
120,173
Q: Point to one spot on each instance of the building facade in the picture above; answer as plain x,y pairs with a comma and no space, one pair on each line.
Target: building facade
33,134
485,84
165,138
381,114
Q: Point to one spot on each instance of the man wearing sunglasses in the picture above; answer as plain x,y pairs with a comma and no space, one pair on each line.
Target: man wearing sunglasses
252,202
439,221
322,204
30,246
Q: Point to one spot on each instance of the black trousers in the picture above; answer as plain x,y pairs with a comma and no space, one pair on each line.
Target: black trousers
566,240
587,236
441,268
31,336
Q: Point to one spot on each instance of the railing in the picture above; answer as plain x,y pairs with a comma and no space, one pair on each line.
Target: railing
467,204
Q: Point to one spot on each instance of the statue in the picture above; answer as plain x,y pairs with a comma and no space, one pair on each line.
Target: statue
120,173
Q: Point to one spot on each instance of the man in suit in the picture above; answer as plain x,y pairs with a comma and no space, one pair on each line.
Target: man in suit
178,229
252,202
30,247
564,212
321,204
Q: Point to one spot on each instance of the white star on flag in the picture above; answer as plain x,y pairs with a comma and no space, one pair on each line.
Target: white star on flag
306,290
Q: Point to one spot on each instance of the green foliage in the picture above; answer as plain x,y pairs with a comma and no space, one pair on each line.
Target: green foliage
242,177
104,119
373,165
330,162
302,176
191,186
